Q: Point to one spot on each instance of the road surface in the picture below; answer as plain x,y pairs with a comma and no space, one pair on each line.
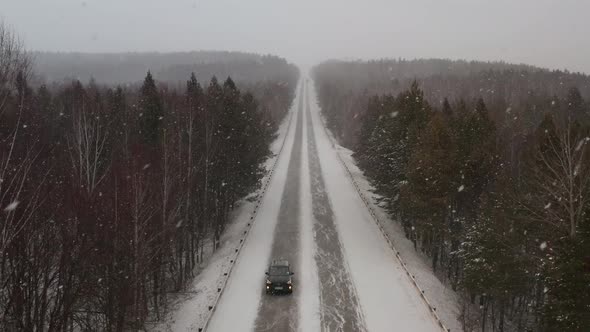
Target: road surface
346,276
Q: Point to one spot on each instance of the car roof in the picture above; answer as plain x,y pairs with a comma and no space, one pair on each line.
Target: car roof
280,262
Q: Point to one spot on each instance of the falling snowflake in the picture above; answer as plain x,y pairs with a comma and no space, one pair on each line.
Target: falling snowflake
509,109
146,166
581,143
394,114
11,207
543,245
460,189
179,223
548,205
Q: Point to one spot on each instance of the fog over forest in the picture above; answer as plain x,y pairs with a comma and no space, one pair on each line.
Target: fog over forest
544,33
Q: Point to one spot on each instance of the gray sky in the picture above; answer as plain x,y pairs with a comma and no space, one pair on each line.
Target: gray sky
548,33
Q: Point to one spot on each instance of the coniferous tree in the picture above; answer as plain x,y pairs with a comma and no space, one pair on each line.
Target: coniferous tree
151,112
431,186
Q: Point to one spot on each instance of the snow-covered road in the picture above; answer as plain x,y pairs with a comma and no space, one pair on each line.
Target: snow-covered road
346,276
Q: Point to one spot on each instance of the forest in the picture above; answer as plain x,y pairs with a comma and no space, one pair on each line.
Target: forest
111,195
130,68
487,168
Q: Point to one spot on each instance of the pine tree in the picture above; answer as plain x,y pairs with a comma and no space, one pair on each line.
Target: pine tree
151,111
568,306
476,154
432,184
574,106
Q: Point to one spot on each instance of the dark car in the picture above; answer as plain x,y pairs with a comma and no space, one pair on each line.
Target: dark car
279,278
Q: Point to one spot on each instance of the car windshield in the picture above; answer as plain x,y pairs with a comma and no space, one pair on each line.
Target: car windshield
279,271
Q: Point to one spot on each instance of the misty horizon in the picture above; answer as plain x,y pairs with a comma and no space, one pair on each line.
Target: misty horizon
540,33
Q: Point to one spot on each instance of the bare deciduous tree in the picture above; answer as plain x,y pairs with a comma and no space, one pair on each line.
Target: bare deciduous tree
561,179
87,148
13,60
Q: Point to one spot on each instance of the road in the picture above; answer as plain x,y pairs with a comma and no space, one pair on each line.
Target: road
346,277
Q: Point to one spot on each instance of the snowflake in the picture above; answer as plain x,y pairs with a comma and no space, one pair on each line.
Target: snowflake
543,245
581,143
461,188
548,205
11,207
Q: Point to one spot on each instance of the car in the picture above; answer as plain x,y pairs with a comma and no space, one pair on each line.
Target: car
279,277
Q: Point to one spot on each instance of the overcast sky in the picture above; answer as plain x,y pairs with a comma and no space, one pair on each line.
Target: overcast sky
548,33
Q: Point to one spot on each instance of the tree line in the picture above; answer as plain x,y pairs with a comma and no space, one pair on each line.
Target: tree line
500,205
172,67
111,196
524,91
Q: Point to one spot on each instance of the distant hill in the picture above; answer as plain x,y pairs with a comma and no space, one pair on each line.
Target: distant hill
129,68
